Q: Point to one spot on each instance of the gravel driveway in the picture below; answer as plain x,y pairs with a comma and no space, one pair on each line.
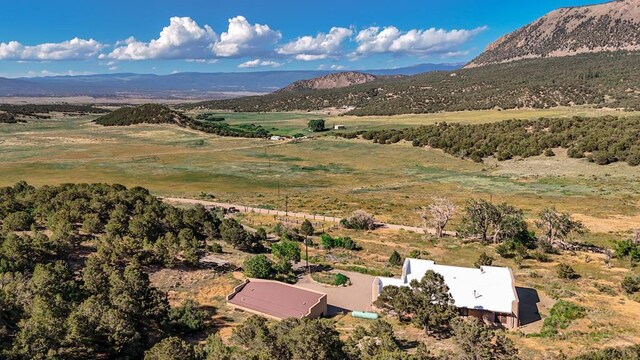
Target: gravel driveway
356,296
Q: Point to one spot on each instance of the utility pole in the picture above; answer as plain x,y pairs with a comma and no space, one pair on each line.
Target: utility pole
306,253
286,205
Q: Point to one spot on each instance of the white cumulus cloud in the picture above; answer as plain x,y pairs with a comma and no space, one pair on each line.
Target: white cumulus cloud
74,49
259,63
390,39
321,46
245,39
183,38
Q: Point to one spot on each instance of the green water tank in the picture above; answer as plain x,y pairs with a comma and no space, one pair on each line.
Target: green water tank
364,315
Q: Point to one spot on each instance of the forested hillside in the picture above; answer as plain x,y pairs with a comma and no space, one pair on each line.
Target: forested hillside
604,80
144,114
57,301
603,140
10,113
162,114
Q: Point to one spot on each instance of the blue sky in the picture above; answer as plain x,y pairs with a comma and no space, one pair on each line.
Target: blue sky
44,37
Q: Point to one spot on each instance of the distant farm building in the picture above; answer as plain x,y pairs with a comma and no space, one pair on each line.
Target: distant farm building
339,127
276,138
277,300
487,293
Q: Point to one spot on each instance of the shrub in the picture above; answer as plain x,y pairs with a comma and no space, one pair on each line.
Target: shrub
549,153
395,259
258,266
560,316
335,279
329,242
359,220
631,284
340,279
566,272
18,221
215,248
188,318
316,125
540,256
483,260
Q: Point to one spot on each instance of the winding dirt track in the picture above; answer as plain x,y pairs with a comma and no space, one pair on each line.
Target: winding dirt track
248,209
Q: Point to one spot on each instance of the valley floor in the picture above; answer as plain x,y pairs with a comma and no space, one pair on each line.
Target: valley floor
328,176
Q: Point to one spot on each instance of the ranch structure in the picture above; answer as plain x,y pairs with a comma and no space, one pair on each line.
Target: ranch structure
277,300
487,293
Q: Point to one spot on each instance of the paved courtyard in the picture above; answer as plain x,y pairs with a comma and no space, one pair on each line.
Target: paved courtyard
356,296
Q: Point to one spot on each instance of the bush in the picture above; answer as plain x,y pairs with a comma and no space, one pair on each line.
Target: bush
483,260
335,279
540,256
602,158
549,153
172,348
359,220
560,316
316,125
631,284
329,242
258,266
188,318
395,259
215,248
340,279
566,272
18,221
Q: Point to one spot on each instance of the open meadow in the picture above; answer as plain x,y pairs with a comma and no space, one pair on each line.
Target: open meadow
322,174
334,176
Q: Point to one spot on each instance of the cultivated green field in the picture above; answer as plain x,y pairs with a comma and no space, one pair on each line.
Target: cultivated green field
292,123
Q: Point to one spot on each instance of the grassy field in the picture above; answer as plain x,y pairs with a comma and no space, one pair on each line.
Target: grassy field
331,176
289,124
323,175
610,314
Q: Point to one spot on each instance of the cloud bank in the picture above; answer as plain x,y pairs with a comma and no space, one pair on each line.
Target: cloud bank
74,49
259,44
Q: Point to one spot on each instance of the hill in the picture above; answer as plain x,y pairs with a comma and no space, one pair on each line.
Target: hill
603,79
612,26
185,85
603,140
145,114
330,81
162,114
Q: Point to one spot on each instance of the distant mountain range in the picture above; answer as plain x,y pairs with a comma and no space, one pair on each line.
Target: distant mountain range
186,85
612,26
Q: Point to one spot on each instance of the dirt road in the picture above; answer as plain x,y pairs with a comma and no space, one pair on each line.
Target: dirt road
312,217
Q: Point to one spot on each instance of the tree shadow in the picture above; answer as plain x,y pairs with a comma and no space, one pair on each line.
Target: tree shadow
333,310
528,309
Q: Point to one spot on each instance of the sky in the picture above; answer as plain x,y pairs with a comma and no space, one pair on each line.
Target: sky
79,37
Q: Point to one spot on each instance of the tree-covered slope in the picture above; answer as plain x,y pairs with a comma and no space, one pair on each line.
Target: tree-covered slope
603,140
144,114
604,79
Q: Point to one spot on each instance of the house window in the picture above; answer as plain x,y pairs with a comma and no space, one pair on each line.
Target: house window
464,312
502,319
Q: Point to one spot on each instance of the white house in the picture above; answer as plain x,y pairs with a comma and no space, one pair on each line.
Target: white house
339,127
487,293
